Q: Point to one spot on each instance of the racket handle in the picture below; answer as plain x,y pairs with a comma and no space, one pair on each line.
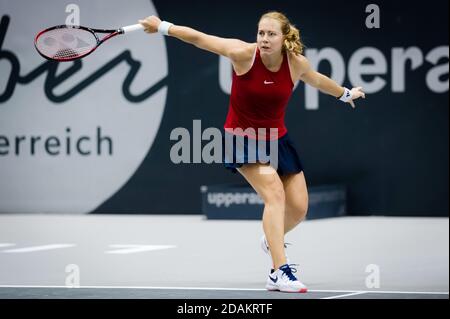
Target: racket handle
131,28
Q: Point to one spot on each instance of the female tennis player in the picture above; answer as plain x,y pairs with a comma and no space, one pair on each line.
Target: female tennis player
264,74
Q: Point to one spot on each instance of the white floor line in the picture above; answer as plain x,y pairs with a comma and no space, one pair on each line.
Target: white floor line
346,295
387,292
225,289
132,249
38,248
133,287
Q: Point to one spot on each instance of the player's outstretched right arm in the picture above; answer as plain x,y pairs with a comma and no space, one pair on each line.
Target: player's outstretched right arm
230,48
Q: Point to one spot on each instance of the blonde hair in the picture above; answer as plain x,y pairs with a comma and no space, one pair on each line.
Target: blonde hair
292,42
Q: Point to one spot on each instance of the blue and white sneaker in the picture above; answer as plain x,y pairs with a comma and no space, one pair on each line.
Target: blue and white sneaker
284,280
265,248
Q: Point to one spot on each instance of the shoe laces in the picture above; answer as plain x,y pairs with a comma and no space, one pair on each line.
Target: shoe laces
289,271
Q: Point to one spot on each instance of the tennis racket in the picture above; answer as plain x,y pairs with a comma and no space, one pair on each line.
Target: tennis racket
64,43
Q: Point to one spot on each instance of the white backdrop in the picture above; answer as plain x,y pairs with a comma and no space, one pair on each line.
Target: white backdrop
38,173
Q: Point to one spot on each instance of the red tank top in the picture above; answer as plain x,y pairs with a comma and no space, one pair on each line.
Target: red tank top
259,99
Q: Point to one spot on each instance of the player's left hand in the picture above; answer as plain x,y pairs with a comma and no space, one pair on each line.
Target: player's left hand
356,94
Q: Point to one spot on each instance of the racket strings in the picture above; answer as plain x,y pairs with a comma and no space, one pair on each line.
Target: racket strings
66,43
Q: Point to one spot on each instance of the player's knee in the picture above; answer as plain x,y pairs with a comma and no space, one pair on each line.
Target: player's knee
300,210
274,194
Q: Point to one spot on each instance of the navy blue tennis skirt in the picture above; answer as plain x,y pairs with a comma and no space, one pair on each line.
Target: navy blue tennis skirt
281,153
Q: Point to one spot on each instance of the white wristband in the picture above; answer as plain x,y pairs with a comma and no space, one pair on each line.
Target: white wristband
164,27
347,96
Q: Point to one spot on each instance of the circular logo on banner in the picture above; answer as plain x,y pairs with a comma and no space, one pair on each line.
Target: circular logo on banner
72,134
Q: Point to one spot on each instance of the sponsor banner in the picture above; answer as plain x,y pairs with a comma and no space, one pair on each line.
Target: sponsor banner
72,134
242,202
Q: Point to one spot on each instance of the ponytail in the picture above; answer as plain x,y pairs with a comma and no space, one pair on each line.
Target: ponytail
293,42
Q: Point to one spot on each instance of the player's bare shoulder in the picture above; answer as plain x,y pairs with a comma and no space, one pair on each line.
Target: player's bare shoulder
242,57
243,52
299,65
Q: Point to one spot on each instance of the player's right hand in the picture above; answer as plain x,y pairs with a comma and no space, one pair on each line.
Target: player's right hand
150,24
